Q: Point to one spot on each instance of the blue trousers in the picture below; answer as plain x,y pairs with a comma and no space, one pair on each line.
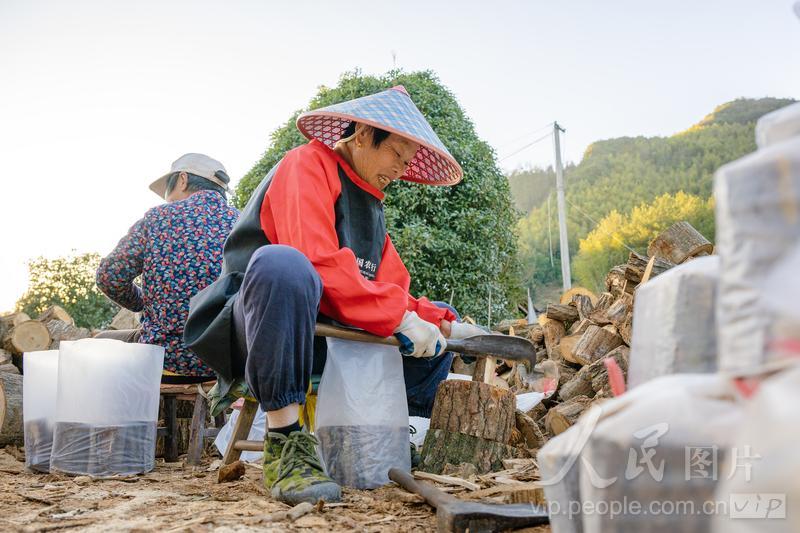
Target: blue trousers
274,317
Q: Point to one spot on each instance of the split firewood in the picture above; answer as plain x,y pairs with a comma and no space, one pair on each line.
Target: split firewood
563,415
616,281
580,327
579,385
603,302
56,312
566,348
637,263
679,242
27,336
517,323
563,313
599,373
583,304
534,333
5,357
11,431
64,331
541,355
531,434
618,311
565,373
9,367
537,412
552,330
567,296
594,344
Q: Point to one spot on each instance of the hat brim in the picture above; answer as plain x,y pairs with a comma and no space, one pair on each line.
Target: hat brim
430,166
160,186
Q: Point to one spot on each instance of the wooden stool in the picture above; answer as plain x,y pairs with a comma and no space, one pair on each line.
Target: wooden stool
198,431
241,430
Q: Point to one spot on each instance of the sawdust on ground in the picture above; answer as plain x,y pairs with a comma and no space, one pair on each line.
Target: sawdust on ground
177,497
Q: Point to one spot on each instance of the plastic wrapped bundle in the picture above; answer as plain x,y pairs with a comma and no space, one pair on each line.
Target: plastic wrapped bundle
674,325
39,385
758,221
653,465
362,414
778,126
762,485
107,408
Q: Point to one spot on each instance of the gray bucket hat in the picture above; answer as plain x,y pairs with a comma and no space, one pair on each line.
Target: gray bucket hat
197,164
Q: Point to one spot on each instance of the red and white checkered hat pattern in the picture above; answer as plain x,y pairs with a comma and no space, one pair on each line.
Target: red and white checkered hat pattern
391,110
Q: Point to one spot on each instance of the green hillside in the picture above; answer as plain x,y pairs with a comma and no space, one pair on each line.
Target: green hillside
628,172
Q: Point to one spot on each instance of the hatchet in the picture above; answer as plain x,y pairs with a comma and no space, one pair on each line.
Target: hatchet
498,346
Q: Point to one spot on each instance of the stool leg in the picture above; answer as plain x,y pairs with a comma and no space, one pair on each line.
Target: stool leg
241,431
171,420
197,431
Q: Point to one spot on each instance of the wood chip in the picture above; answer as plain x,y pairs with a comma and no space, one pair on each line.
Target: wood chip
447,480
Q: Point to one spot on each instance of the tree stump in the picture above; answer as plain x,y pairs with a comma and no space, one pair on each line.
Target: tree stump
11,431
678,243
472,422
562,416
594,344
28,336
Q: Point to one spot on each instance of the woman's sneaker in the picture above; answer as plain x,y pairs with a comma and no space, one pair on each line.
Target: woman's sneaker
293,471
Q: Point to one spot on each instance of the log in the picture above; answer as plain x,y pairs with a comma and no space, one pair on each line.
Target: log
565,373
579,385
566,348
584,306
5,357
442,447
9,367
563,415
517,323
594,344
637,263
474,408
679,242
618,312
568,295
580,327
603,302
64,331
616,281
28,336
534,333
552,331
563,313
11,431
56,312
532,436
125,319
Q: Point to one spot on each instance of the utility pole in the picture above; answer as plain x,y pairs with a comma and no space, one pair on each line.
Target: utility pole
566,276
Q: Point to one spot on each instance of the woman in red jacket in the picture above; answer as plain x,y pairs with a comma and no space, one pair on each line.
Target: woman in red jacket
311,245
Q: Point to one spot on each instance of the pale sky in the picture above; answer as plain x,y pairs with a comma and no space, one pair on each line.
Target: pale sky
97,98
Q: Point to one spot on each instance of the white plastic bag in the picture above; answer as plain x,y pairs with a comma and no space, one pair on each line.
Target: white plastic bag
778,126
362,413
674,325
107,409
758,223
39,385
661,452
257,433
760,485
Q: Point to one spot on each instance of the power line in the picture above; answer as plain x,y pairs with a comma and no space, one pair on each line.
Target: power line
540,139
537,130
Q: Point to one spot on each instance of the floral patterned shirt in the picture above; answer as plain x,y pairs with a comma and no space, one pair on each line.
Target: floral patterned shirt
177,250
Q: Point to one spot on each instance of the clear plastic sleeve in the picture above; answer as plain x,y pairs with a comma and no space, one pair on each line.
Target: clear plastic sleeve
39,386
362,414
107,408
674,324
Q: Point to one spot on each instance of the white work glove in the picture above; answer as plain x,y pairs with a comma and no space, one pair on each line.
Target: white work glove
463,330
418,337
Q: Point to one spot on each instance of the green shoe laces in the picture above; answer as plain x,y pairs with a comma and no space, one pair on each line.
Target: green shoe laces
299,450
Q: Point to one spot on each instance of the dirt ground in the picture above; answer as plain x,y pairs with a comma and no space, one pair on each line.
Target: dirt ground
177,497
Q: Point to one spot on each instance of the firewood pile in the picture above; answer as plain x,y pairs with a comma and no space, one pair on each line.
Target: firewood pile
576,335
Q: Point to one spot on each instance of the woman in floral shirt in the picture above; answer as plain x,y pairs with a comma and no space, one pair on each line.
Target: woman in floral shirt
176,248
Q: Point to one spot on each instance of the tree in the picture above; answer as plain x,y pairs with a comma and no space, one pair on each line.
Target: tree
456,241
68,282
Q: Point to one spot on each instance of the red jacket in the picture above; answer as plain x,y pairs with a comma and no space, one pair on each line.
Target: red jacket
301,209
